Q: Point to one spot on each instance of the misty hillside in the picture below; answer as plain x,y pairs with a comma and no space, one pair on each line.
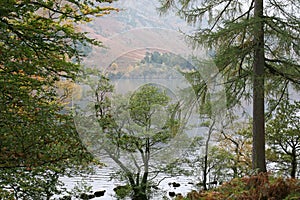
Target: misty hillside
132,15
134,30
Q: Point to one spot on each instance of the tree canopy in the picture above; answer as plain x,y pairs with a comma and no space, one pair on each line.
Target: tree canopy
39,46
256,45
137,126
283,137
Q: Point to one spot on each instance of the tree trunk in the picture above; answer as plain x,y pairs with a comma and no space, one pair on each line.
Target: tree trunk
140,190
258,150
139,193
205,173
236,161
294,164
205,169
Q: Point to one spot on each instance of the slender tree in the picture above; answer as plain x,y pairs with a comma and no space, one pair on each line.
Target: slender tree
256,45
284,139
138,135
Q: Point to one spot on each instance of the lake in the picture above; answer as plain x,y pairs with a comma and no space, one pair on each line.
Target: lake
101,180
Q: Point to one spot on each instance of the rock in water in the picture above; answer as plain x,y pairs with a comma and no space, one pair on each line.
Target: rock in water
99,193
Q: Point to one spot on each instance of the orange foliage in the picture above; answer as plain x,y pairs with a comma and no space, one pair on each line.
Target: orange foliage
257,187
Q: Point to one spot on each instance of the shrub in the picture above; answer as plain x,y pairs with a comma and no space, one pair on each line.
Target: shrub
257,187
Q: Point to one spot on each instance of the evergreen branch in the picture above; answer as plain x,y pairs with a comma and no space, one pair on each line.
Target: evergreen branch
220,15
275,4
245,13
274,71
278,101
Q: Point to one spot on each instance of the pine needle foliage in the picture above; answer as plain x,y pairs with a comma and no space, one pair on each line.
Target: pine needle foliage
256,45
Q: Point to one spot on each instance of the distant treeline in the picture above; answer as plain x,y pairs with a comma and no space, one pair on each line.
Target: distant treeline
153,65
169,59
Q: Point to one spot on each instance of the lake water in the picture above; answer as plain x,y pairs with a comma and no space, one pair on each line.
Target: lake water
101,180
